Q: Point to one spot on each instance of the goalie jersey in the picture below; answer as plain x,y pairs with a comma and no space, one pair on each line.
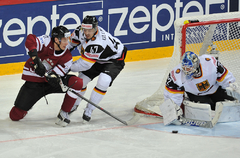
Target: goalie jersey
213,75
102,48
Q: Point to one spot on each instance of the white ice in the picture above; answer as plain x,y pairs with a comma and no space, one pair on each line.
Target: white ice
37,136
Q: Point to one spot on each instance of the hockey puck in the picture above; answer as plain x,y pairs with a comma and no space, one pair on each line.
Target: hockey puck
174,131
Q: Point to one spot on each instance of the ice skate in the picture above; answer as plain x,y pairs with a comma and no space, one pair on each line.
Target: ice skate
62,119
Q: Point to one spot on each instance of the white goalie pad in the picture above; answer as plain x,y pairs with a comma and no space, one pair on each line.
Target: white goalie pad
169,112
230,112
198,111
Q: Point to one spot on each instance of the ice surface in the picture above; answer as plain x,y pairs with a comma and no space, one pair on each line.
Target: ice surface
36,136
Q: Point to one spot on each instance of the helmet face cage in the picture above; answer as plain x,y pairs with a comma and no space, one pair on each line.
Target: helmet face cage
89,22
60,32
190,63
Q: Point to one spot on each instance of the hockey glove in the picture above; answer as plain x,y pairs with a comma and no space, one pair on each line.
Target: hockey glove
37,64
53,79
234,86
39,67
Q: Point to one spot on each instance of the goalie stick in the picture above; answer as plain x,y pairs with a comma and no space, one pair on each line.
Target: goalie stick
133,120
194,122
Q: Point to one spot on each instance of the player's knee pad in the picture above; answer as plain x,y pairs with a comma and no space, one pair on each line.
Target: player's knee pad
85,79
75,82
17,114
104,81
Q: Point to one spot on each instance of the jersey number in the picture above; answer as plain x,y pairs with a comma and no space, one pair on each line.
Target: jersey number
94,49
115,43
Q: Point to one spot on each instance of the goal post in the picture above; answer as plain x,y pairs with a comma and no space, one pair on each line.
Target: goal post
214,34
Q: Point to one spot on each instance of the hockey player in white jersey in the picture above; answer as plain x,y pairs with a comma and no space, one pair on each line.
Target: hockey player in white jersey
204,79
102,55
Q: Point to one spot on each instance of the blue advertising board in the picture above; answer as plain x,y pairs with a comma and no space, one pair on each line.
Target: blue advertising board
138,24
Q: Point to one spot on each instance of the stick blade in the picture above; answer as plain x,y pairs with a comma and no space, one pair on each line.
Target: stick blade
134,119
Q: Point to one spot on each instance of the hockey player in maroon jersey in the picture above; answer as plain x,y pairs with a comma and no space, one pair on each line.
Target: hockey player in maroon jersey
49,62
102,55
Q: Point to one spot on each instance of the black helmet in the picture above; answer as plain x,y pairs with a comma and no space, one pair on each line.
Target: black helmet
89,22
60,32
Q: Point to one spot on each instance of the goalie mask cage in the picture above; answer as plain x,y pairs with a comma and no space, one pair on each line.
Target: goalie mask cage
214,33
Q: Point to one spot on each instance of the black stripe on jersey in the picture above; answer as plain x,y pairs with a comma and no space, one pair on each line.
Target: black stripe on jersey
107,53
170,84
220,68
77,30
101,91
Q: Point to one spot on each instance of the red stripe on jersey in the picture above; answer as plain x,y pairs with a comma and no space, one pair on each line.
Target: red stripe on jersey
75,41
59,68
123,56
12,2
99,91
88,59
173,90
223,76
84,89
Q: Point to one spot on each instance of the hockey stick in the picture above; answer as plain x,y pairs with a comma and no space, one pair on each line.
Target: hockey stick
133,120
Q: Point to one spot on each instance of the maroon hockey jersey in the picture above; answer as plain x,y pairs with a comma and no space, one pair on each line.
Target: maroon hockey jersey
59,63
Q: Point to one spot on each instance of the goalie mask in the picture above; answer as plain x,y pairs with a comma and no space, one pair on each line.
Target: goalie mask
190,63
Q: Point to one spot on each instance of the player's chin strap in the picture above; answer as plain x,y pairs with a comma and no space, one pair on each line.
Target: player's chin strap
133,120
59,45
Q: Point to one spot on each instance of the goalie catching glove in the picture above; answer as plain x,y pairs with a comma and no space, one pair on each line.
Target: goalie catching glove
53,79
234,86
37,64
234,90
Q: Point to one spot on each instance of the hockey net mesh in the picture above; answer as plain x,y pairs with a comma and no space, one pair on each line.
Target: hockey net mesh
216,35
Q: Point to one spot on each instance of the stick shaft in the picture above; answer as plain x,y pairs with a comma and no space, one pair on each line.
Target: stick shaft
100,108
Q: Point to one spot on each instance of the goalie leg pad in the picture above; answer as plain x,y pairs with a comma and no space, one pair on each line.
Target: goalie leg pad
230,112
197,111
171,112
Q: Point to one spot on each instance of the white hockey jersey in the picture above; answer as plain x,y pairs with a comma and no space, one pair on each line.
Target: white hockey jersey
213,75
102,48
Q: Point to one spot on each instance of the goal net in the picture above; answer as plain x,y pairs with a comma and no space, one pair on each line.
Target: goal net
214,34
